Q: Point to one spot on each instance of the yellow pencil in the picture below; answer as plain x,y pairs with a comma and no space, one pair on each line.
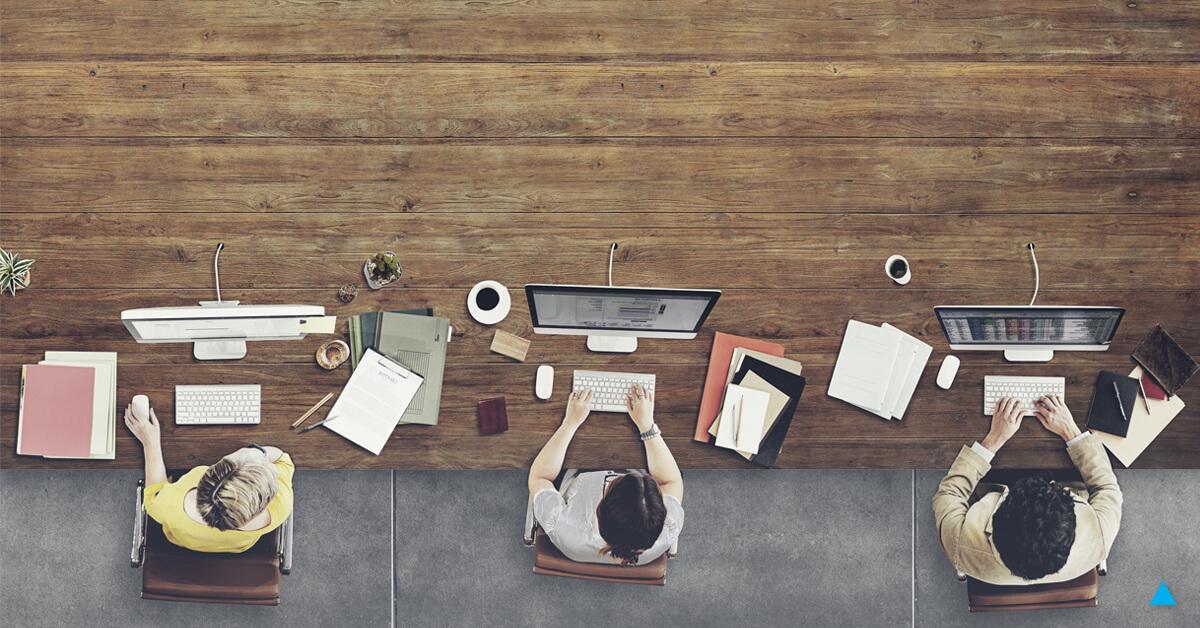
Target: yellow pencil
310,412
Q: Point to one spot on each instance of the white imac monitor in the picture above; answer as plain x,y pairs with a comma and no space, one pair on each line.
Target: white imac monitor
219,330
1029,333
614,318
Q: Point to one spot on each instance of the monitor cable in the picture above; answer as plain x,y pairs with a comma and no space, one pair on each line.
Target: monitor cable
611,251
1037,278
217,270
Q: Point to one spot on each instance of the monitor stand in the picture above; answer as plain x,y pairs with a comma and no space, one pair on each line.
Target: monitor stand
219,349
612,344
1028,355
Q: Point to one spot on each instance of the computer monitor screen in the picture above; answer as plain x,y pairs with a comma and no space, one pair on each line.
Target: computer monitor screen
590,310
1062,327
243,322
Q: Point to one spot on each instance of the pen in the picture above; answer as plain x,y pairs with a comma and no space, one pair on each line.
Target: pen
1145,399
737,421
1120,404
311,411
316,425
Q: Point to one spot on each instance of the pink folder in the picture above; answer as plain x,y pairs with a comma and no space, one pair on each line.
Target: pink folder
718,369
56,410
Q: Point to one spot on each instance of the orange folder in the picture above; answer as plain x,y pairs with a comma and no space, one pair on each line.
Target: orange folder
56,411
718,371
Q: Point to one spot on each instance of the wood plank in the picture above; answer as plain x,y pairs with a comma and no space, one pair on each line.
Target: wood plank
803,99
808,323
559,30
778,251
616,176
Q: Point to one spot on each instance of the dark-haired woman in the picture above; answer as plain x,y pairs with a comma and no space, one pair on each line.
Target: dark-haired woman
605,516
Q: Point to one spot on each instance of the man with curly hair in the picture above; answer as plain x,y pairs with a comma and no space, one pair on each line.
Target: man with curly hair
1035,531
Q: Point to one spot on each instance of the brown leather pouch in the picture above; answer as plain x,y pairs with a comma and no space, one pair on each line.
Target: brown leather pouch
493,415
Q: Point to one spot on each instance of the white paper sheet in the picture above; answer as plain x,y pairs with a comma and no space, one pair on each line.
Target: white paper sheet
864,366
747,420
373,401
920,358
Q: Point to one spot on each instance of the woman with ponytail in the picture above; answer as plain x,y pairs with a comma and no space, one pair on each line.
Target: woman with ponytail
607,516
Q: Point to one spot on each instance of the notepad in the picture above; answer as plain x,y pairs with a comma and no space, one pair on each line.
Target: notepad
745,411
864,366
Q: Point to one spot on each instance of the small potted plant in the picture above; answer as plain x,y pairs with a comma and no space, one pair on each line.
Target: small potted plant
382,269
14,272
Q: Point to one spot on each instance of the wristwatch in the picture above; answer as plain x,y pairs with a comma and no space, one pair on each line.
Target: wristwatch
651,433
258,448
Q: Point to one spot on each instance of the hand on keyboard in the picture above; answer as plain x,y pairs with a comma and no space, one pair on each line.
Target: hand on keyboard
640,404
1005,422
1055,416
579,406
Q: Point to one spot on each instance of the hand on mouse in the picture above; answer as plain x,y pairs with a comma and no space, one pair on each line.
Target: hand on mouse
147,430
1005,422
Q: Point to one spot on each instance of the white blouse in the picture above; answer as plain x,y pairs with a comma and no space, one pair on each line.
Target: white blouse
569,519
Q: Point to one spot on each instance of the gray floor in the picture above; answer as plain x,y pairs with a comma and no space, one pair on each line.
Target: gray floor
778,548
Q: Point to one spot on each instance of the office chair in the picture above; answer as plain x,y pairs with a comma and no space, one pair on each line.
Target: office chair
549,561
1078,593
176,574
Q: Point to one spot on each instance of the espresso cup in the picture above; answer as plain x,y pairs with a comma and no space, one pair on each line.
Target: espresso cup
897,269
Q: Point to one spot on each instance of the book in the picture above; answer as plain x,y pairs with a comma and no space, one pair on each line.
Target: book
1144,426
419,343
718,369
1107,413
790,383
1165,360
55,413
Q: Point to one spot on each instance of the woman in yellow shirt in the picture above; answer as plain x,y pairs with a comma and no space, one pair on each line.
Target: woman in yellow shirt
223,508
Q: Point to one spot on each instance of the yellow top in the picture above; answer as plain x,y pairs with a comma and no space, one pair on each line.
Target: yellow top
164,502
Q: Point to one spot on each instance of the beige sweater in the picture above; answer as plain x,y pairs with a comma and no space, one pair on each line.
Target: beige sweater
965,523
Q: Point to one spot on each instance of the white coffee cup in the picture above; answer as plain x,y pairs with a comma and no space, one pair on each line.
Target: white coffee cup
897,265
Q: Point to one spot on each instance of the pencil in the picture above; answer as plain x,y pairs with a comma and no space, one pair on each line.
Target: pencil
311,411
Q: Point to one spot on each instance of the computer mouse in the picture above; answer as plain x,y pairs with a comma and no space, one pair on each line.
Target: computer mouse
945,376
543,385
141,406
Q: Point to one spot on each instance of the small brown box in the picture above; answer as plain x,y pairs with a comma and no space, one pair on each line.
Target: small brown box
512,346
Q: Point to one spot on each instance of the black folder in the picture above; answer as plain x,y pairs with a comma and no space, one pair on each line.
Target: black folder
789,384
1105,413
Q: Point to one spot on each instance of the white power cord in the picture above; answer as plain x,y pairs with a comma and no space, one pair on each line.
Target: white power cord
1037,278
611,251
216,270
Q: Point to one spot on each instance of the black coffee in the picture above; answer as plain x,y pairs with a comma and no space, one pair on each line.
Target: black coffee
487,299
899,268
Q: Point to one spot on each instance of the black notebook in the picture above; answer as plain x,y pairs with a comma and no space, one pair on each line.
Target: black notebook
1105,413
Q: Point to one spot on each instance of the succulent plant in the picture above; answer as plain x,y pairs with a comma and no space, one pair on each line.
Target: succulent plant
386,266
11,269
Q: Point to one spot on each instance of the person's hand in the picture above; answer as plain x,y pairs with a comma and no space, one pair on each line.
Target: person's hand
1005,422
146,430
1053,414
640,404
579,406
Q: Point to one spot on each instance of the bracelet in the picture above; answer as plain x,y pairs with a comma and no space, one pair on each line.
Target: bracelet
651,433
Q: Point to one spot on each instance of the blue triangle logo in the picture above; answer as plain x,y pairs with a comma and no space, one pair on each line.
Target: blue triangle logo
1162,597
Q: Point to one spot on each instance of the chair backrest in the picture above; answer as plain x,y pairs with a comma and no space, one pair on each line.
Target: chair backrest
170,572
549,561
1078,593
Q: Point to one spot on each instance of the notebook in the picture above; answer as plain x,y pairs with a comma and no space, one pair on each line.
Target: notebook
786,380
1105,413
419,343
863,371
91,358
104,406
493,415
745,411
1144,426
718,371
55,415
1165,360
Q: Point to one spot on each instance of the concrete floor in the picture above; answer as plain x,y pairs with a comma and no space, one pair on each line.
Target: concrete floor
425,548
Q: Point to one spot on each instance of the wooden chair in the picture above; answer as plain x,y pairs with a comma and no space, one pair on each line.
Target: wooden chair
172,573
549,561
1078,593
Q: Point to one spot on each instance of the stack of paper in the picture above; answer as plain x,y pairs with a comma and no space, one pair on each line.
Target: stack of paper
761,394
69,406
1144,426
878,369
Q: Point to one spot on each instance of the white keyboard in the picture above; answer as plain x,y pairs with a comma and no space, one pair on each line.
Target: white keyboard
1027,389
610,389
217,405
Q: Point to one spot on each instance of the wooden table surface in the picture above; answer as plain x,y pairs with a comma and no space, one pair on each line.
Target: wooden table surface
776,151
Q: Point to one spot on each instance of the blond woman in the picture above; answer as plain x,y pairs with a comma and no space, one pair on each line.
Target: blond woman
223,508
